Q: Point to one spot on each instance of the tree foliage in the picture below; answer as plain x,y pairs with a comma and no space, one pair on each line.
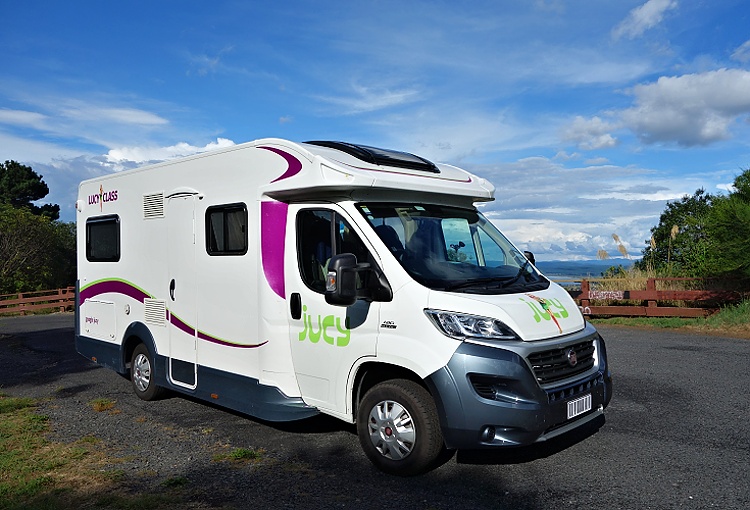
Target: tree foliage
679,244
37,252
20,186
703,235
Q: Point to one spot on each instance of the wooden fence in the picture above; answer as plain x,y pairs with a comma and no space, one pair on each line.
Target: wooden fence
655,300
23,302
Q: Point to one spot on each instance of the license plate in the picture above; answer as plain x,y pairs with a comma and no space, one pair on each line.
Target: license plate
579,406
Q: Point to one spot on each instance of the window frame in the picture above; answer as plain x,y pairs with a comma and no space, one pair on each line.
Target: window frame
225,210
103,220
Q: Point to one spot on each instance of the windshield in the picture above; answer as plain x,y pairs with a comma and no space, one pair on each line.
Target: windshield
452,249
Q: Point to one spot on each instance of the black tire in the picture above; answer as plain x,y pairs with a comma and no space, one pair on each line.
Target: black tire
399,429
142,375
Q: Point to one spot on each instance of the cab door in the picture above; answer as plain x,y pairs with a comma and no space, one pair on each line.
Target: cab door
326,340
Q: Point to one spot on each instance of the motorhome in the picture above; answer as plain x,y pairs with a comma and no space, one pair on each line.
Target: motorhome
283,280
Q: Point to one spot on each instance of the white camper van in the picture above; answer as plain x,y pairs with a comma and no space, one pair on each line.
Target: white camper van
287,279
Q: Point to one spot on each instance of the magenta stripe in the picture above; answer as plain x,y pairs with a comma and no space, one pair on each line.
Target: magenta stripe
293,164
181,325
272,239
115,286
219,341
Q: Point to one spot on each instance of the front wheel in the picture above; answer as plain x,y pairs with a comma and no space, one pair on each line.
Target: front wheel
399,429
142,375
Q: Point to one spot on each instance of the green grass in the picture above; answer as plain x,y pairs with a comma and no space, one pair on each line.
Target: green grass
39,474
241,455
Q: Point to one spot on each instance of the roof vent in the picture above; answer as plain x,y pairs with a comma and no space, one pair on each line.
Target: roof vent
386,157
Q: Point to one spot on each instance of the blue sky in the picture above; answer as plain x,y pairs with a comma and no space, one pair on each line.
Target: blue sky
587,115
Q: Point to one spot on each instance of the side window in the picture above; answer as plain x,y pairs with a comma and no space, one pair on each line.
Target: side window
103,239
226,229
494,256
322,234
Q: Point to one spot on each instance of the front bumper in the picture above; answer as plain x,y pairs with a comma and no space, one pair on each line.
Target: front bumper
490,397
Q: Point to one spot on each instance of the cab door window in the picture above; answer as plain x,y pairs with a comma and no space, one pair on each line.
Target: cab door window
321,234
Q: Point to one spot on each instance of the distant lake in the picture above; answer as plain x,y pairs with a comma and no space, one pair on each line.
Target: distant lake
563,269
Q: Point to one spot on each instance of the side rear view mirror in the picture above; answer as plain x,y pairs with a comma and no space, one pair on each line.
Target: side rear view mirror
341,281
530,257
346,276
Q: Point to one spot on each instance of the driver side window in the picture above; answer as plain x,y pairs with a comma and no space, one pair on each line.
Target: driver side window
321,234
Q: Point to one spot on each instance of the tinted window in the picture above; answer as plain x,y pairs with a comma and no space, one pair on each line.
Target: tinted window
103,239
226,230
322,234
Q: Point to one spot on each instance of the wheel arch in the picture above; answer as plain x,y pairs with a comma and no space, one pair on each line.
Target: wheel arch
135,334
374,372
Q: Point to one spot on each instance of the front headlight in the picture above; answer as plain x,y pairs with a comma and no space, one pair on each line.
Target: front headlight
462,326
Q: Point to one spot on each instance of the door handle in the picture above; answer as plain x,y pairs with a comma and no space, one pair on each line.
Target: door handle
295,305
171,289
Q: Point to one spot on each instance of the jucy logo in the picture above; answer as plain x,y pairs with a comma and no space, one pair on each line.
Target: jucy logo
102,196
544,309
325,324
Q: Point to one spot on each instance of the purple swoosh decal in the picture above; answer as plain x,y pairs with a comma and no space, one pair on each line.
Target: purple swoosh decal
130,290
181,325
294,165
116,286
272,241
219,341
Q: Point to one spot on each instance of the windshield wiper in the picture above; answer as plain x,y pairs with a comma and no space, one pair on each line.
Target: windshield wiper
518,275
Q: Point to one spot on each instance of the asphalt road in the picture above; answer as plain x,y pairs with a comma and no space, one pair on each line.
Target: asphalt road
676,436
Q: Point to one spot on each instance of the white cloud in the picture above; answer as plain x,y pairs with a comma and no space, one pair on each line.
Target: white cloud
86,112
590,134
22,118
643,18
362,99
742,54
143,154
26,150
692,109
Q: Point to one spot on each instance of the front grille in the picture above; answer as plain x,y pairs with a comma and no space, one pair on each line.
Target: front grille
554,365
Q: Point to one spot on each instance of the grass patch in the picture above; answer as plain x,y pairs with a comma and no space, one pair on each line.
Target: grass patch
40,474
174,482
102,404
241,455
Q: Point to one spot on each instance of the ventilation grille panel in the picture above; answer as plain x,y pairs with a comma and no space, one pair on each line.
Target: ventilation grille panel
153,205
155,312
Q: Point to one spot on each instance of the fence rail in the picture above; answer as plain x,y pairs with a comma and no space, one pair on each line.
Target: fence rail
648,302
651,301
23,302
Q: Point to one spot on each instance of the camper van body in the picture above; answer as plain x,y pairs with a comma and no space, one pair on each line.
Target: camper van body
215,276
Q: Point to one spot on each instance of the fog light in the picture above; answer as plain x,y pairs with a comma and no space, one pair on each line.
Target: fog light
488,434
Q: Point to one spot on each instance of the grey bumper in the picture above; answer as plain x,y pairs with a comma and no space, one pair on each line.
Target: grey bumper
489,397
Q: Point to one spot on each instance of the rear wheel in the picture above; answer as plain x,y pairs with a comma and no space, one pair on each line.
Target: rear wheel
142,375
399,429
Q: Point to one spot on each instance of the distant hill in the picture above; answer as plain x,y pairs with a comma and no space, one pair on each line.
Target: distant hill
561,269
